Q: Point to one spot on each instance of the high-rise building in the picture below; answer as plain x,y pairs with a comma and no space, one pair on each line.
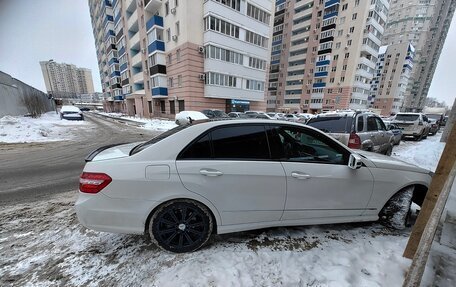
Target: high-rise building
66,80
183,55
324,53
393,71
424,24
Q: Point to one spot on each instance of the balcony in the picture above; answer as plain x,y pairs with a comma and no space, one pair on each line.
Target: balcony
152,5
136,59
107,19
121,51
157,69
331,2
134,39
316,105
369,50
125,82
322,63
119,98
154,21
156,45
319,85
113,61
115,74
117,18
138,77
330,15
109,33
320,74
159,92
123,67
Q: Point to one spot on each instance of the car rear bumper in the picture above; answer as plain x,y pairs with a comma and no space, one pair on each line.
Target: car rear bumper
73,118
102,213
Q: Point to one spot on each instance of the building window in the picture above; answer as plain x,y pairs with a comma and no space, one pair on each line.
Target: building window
217,53
234,4
257,13
354,16
347,55
178,55
166,8
254,85
176,3
256,39
162,107
215,24
257,63
177,28
168,34
181,105
170,58
218,79
172,107
179,81
170,82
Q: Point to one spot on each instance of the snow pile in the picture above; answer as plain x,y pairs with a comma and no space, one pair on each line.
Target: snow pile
425,153
149,124
48,127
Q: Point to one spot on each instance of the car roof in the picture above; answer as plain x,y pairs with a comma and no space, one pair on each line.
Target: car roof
408,114
70,109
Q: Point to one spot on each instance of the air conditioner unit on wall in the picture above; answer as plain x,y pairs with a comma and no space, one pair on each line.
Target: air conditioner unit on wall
202,77
174,37
201,49
173,10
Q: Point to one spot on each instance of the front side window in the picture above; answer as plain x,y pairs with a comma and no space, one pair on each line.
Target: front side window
240,142
380,125
371,124
301,145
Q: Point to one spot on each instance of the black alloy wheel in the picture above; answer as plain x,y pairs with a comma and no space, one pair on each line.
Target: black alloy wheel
181,226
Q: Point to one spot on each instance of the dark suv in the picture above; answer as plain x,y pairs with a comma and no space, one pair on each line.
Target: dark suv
357,130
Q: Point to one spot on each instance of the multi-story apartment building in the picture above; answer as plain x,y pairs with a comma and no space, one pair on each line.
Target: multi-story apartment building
66,80
424,24
324,54
186,55
102,16
393,71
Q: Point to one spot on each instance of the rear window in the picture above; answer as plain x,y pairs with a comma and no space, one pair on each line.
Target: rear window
434,116
407,118
156,139
340,124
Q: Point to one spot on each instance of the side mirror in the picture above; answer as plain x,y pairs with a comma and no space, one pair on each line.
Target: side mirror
354,161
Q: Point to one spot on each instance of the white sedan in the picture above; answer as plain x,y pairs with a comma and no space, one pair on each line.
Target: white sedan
225,176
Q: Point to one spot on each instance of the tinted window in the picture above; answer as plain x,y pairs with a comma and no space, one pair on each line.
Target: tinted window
407,117
425,118
240,142
156,139
380,125
302,145
360,126
332,124
198,150
371,124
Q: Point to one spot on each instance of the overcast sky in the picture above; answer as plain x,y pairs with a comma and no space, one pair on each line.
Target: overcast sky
33,31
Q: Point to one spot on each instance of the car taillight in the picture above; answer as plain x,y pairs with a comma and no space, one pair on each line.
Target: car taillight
354,141
91,182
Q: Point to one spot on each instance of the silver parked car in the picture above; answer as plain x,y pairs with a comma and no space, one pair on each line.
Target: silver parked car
225,176
357,130
414,125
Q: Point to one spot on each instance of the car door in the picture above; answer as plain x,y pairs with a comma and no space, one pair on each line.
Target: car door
231,167
383,136
372,130
319,182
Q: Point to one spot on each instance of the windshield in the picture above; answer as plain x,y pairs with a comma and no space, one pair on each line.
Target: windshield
332,124
434,116
219,113
407,117
156,139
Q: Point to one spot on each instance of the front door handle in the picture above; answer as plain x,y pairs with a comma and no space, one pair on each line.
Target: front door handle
300,175
210,172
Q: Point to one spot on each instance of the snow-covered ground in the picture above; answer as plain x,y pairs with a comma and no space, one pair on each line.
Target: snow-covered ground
425,153
48,127
43,244
150,124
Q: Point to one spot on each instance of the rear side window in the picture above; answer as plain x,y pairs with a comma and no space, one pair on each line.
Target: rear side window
201,149
360,124
371,124
240,142
342,124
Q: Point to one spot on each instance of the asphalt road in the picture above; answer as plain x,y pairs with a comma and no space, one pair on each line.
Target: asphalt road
34,171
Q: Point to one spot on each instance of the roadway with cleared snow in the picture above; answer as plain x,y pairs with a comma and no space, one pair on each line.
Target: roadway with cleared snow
33,171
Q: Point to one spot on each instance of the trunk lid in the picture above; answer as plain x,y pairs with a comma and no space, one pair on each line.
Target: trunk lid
111,152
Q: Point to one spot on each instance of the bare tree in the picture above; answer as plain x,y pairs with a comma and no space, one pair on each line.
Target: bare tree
34,103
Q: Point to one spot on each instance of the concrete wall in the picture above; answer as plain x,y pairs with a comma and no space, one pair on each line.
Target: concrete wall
11,93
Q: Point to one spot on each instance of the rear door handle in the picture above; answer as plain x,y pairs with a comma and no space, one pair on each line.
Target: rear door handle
210,172
300,175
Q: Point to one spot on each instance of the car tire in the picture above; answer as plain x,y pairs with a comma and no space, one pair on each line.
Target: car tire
181,226
389,151
177,122
396,211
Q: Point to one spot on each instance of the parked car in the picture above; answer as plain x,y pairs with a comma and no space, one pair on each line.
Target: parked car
85,109
397,131
277,116
357,130
434,126
236,115
438,117
413,125
186,117
264,116
252,114
71,113
214,114
226,176
293,118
